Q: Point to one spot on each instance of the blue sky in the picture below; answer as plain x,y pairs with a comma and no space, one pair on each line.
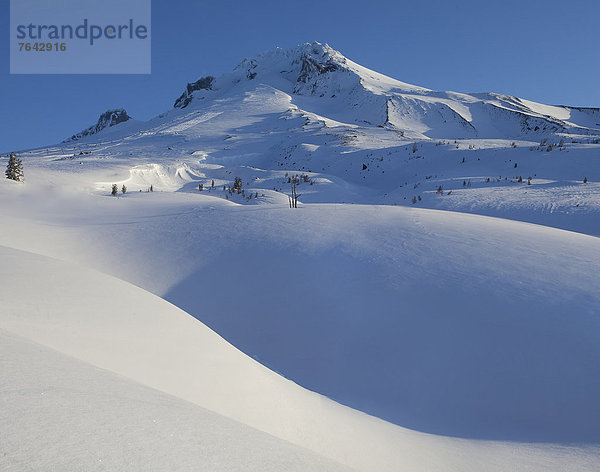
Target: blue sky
546,51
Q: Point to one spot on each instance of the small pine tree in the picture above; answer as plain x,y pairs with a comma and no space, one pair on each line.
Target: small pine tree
212,184
585,181
115,189
201,187
152,188
123,189
237,185
14,169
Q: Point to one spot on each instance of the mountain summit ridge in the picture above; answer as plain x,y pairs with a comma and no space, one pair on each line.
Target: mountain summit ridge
318,82
318,70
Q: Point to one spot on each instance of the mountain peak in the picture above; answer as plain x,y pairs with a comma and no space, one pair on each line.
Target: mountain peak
314,69
318,58
300,67
296,64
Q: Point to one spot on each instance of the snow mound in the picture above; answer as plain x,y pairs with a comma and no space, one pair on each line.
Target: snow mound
76,319
65,414
161,177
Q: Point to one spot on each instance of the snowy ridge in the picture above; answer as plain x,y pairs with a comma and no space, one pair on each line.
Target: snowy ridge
320,80
318,70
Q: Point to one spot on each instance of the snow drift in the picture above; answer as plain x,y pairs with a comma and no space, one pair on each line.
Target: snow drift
63,412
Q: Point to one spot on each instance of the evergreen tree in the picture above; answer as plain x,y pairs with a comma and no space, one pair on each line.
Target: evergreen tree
115,189
237,185
14,170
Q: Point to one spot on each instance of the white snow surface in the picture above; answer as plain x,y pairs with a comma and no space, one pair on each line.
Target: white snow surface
373,328
64,414
90,419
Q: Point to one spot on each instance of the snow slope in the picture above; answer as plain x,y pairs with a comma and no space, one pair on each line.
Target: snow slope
60,411
274,281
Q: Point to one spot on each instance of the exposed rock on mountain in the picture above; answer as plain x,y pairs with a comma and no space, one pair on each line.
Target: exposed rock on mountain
107,119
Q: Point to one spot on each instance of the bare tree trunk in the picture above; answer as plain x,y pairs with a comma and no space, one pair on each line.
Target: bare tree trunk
294,197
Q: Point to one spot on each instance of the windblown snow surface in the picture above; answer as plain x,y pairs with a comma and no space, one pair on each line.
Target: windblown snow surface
431,305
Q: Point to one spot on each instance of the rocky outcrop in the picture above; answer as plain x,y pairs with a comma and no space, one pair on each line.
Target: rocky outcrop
203,83
107,119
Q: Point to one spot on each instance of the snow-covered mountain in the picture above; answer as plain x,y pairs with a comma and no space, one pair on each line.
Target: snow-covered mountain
478,334
355,136
355,95
319,81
